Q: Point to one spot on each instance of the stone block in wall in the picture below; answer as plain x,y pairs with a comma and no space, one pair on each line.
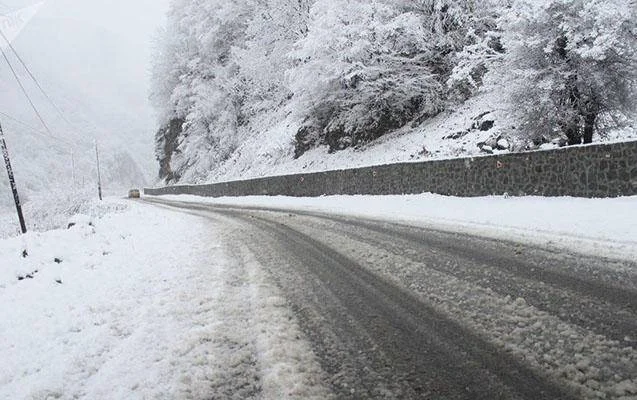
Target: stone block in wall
416,178
348,182
308,185
387,179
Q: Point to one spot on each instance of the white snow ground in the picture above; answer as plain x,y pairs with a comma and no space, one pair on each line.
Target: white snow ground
602,227
143,303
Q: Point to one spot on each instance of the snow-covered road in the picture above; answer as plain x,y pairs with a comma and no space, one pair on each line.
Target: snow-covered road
204,299
396,311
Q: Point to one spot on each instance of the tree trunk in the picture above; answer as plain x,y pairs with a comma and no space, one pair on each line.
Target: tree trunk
571,129
589,127
573,135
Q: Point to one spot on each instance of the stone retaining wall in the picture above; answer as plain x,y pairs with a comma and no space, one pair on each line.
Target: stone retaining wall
606,170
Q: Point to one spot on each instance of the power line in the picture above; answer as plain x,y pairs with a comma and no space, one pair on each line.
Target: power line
62,149
17,78
39,86
28,70
38,132
49,146
24,124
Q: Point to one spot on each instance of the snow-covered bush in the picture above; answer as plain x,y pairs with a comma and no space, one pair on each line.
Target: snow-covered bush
53,209
273,29
479,47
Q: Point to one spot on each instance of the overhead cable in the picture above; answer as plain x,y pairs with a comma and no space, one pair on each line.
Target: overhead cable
35,80
17,78
39,132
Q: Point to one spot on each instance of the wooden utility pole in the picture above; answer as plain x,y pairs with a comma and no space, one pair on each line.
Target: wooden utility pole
99,175
14,188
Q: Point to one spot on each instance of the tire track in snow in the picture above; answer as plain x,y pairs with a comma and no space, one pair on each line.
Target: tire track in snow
380,342
607,310
565,346
255,349
593,363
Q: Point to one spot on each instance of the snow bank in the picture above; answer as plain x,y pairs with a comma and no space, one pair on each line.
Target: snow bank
606,227
52,210
143,304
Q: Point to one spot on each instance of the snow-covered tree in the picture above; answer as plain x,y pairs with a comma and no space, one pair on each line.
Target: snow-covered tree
362,71
344,72
274,28
477,44
574,64
201,86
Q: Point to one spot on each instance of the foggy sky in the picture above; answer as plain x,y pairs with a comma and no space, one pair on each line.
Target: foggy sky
132,21
93,54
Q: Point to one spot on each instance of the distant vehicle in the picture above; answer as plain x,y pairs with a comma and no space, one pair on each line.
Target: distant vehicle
134,194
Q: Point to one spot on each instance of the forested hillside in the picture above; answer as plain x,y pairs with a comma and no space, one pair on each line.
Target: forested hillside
252,87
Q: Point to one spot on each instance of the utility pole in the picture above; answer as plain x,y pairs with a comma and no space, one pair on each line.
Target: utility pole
99,175
14,188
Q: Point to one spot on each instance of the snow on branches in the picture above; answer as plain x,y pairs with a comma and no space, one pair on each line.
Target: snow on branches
573,63
341,73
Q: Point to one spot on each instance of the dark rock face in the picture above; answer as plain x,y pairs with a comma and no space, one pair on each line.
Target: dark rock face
324,127
486,125
607,170
167,140
306,138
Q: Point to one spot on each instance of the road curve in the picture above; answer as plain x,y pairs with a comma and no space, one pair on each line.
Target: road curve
396,311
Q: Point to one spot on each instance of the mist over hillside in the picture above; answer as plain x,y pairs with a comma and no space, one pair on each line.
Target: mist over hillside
95,69
83,82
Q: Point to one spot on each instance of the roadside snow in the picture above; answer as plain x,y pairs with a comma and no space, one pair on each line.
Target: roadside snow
144,303
602,227
52,210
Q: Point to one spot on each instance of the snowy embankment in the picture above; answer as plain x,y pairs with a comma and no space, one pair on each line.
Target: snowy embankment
602,227
143,303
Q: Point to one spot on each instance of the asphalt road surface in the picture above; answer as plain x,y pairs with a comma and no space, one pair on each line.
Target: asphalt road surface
397,311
